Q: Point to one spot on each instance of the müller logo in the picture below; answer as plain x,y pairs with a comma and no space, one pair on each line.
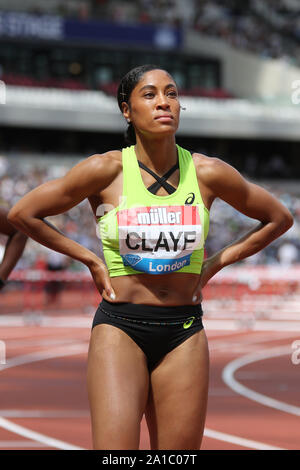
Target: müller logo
2,92
159,215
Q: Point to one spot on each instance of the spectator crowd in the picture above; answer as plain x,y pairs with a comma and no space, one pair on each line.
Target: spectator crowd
270,28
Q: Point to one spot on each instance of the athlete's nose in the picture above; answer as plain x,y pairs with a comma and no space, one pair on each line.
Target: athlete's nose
162,102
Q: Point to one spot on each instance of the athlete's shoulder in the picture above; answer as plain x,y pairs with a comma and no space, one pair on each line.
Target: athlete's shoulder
94,172
102,165
218,176
208,168
111,160
215,174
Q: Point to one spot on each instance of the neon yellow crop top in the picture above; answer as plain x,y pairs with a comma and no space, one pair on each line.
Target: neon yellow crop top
154,234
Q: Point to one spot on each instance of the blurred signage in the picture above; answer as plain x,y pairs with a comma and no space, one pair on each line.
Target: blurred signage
24,25
132,34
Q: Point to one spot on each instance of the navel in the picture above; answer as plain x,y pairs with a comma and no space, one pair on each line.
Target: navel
163,293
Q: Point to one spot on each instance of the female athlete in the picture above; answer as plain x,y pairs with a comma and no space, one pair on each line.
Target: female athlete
148,351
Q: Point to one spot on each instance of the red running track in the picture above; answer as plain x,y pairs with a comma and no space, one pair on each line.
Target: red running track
253,398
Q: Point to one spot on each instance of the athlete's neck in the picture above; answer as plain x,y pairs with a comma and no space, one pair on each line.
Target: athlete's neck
158,155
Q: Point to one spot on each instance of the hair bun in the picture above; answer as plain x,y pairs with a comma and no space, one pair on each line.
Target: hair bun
130,138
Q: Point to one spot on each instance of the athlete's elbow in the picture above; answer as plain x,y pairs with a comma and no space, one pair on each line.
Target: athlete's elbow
285,221
16,217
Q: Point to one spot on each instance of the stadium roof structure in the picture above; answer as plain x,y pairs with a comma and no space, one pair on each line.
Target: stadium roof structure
94,111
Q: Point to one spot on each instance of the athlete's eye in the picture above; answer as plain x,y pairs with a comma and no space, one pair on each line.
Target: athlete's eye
149,94
172,94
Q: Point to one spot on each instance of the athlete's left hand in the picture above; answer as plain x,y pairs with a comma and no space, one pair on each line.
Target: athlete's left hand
210,267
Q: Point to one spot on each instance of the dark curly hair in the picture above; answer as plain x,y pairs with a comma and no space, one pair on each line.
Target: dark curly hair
127,84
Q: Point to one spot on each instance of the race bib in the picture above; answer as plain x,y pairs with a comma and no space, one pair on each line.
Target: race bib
159,239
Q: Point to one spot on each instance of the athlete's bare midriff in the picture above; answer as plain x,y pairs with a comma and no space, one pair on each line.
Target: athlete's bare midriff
163,289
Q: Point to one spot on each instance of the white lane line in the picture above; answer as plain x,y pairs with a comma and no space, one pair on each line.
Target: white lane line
23,343
16,444
219,333
240,441
68,350
233,366
46,321
45,414
255,325
36,436
252,338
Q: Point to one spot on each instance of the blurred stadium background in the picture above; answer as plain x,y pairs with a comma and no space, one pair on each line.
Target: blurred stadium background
237,65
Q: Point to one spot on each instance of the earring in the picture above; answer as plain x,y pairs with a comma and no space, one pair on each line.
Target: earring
128,120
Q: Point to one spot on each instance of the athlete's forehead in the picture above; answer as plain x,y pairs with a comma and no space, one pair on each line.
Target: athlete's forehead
156,79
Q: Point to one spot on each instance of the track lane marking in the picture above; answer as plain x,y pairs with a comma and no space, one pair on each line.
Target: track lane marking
50,442
208,432
240,441
14,444
36,436
57,414
68,350
230,369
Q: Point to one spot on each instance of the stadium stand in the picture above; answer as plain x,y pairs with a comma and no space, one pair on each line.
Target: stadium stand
267,27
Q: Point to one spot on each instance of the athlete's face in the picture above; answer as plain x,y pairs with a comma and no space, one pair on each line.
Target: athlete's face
154,107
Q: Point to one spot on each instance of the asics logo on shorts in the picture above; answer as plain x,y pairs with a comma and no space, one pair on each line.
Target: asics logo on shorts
188,323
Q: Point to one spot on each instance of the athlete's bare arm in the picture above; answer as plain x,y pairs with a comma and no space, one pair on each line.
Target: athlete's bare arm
14,246
218,179
86,179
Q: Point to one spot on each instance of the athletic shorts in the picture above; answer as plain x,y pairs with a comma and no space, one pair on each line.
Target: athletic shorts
156,330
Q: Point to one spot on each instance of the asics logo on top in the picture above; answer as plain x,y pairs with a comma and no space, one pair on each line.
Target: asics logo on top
190,199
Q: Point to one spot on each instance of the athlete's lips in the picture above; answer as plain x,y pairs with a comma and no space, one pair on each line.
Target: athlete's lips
164,117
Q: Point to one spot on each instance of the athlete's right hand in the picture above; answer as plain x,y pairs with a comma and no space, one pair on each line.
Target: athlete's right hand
102,280
210,267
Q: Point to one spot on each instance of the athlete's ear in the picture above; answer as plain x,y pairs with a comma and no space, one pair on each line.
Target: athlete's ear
126,111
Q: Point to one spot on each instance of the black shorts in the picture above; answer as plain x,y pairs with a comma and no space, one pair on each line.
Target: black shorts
155,329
